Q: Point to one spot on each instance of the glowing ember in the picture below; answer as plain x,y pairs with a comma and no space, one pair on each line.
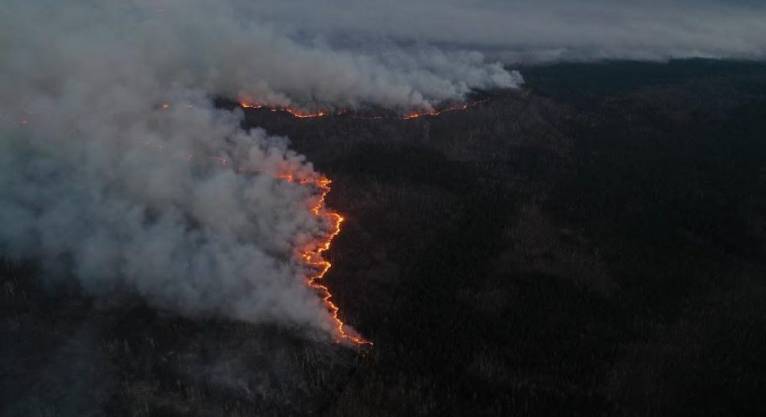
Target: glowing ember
246,104
223,161
311,254
433,113
293,111
303,114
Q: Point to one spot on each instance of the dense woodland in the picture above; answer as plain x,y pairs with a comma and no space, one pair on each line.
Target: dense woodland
592,244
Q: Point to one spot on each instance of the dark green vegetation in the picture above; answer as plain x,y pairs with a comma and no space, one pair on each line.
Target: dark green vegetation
592,245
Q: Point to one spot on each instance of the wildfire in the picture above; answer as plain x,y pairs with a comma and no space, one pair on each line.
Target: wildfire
293,111
311,255
434,113
303,114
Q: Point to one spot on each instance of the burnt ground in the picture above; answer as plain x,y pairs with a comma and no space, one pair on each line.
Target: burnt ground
593,244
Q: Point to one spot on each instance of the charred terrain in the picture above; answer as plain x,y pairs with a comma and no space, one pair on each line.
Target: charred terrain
592,244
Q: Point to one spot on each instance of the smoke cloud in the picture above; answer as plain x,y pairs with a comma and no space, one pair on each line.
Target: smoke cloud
129,197
116,169
220,47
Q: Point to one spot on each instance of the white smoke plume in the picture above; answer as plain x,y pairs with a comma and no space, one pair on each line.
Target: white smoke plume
219,47
116,169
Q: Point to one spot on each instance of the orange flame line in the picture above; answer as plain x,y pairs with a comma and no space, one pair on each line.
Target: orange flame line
311,255
433,113
293,111
302,114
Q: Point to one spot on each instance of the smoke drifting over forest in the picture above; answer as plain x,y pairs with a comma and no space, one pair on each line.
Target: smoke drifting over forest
116,169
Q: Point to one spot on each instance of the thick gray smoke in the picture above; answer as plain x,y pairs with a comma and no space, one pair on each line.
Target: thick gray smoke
176,204
116,169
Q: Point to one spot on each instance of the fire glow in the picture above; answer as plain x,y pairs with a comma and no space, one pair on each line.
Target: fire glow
310,255
293,111
304,114
434,113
